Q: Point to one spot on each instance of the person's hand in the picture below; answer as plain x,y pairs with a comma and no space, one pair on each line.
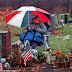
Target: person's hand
24,30
29,30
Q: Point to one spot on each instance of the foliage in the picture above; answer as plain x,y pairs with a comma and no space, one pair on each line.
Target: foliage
15,56
71,13
61,57
41,57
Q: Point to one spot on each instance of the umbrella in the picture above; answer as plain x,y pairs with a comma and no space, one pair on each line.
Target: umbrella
23,15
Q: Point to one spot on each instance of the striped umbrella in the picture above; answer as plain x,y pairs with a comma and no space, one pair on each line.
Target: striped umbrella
23,15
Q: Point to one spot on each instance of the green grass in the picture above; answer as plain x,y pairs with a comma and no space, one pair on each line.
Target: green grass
63,44
2,17
54,42
14,38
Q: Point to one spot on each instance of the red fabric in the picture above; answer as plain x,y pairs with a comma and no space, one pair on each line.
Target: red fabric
58,20
41,10
8,17
7,66
27,56
1,68
41,16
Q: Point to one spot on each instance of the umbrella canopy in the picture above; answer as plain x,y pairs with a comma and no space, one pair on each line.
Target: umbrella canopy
21,16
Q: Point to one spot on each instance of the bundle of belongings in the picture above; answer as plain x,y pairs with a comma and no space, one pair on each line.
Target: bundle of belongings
31,36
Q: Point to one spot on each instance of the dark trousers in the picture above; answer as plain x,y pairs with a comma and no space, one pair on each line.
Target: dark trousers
34,44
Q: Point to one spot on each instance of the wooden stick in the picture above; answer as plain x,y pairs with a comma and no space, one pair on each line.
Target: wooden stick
48,59
46,35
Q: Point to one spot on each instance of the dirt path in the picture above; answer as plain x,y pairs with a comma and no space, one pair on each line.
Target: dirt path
46,68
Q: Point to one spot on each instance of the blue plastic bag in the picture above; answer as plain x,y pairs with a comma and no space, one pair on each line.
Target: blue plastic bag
29,36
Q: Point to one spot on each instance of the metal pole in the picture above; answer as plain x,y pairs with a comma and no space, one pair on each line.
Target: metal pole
28,17
0,47
49,4
57,10
67,6
67,10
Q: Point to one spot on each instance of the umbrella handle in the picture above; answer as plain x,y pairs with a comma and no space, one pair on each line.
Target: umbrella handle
28,25
28,19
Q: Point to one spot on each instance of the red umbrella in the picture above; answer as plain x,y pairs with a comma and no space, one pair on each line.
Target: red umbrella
23,15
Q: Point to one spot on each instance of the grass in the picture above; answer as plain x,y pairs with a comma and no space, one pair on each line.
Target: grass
63,44
14,38
54,42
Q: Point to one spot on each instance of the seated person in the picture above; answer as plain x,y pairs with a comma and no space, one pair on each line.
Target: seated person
37,26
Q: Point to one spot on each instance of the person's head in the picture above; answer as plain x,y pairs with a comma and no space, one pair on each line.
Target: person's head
35,19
